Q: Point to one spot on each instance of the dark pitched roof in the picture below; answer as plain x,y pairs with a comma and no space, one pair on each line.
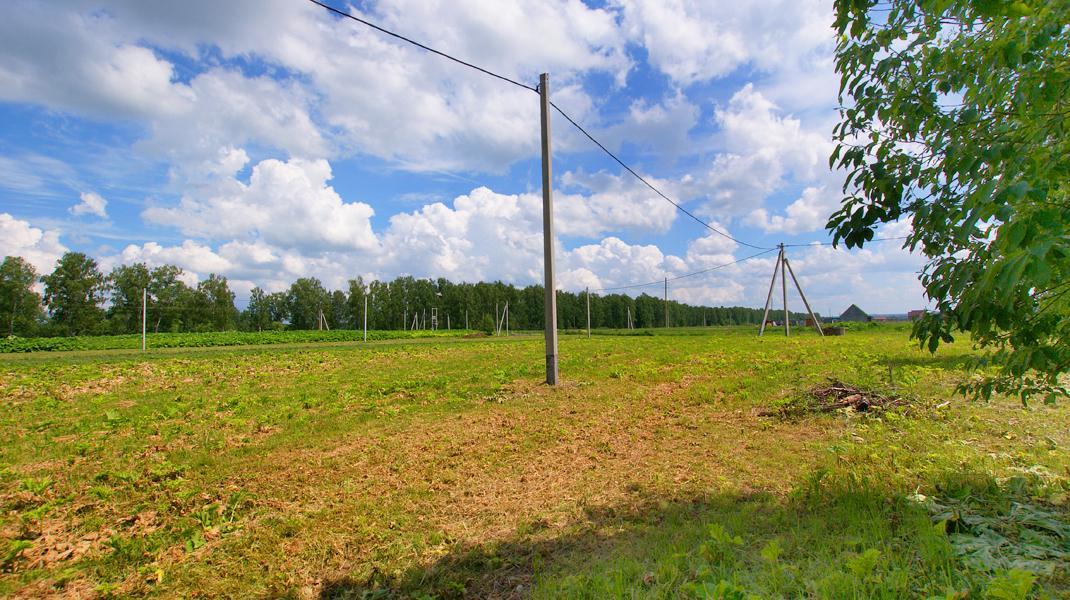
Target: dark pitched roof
853,313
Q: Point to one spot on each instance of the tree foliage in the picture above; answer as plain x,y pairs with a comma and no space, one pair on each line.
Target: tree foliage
20,305
175,307
74,292
955,115
126,284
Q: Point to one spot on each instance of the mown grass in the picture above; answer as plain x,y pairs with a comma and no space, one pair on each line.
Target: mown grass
445,468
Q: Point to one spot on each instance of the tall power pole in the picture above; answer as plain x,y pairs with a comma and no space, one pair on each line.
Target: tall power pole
550,316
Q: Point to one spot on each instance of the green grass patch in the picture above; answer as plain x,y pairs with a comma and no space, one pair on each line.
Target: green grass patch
444,467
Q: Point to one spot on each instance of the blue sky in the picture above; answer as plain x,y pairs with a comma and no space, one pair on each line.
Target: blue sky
267,141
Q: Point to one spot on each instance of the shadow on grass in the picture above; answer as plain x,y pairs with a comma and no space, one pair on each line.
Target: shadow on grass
831,538
508,569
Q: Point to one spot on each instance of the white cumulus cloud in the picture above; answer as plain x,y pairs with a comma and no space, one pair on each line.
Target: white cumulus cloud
285,203
91,203
41,248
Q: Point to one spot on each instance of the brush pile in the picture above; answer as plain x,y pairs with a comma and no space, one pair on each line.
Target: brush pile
833,396
836,395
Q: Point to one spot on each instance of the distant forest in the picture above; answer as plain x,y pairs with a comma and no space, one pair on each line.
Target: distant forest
81,300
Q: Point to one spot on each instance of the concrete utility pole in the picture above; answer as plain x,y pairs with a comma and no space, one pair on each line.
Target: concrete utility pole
666,302
365,317
550,316
588,312
784,288
144,309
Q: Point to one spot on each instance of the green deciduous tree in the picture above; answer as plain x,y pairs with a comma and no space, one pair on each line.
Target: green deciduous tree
20,305
166,294
73,293
217,303
955,115
126,283
306,299
257,315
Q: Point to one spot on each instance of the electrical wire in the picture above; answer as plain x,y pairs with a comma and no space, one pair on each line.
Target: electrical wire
648,184
707,270
342,13
602,146
579,127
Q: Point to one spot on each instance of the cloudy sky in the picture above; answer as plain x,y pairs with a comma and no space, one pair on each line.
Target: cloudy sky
268,140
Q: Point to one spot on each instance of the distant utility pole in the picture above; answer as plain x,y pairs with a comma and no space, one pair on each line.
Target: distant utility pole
550,316
144,309
784,287
666,302
784,268
365,317
588,312
769,296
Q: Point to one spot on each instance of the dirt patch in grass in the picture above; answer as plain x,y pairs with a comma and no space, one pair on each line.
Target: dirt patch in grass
540,462
53,542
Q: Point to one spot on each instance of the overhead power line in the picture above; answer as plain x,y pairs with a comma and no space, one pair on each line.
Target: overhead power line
572,121
342,13
692,274
602,146
648,184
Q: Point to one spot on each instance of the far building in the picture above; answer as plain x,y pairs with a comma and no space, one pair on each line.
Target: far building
914,315
855,314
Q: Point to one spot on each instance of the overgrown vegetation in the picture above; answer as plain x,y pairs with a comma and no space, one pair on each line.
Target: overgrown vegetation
446,468
207,339
955,117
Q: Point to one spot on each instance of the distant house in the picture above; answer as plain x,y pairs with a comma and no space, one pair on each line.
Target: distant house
855,314
914,315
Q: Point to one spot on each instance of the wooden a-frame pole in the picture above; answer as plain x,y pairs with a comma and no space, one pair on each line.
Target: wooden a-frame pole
769,296
784,288
813,317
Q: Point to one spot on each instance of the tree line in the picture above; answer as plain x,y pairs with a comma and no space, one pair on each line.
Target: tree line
79,299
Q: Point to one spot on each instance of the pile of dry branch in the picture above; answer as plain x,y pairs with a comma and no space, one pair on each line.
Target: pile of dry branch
838,395
835,395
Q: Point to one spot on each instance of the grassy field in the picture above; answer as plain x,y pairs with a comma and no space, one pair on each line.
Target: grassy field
445,468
